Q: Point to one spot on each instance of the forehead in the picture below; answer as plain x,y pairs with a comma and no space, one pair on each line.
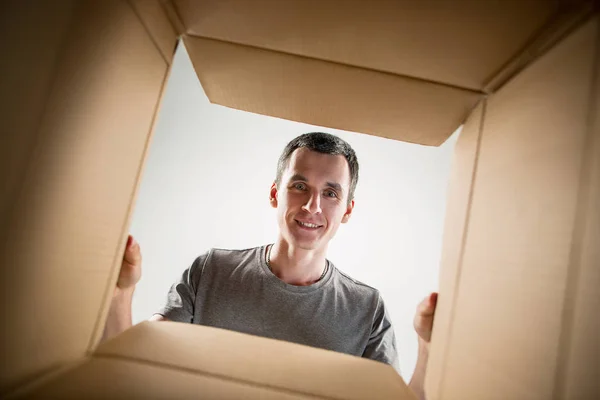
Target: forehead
317,166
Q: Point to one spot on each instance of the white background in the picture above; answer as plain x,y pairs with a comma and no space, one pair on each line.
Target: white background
206,184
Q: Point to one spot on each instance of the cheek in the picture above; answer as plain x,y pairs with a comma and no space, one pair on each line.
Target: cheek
334,213
291,201
285,206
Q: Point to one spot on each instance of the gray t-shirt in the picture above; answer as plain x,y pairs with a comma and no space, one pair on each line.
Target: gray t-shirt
235,290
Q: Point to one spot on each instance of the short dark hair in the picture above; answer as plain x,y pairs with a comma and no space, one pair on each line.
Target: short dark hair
323,143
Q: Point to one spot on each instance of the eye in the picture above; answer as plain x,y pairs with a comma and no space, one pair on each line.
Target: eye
300,186
331,193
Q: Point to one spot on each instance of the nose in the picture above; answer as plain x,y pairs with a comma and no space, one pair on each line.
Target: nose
313,203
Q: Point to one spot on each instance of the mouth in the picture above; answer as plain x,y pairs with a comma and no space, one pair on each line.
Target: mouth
308,225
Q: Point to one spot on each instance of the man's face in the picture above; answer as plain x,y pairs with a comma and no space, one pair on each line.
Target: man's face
312,198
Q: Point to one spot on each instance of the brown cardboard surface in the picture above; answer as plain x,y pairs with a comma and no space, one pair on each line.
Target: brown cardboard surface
157,23
520,272
257,361
570,15
66,227
460,190
25,80
318,61
579,364
171,12
328,94
113,378
459,43
99,329
509,321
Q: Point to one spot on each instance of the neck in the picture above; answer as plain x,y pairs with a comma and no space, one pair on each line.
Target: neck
297,266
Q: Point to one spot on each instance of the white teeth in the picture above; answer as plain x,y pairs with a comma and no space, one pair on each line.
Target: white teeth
308,225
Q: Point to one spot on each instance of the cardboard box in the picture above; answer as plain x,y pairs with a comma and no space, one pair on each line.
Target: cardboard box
517,313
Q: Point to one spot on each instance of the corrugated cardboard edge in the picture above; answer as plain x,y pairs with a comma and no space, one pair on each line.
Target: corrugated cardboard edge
442,327
173,15
464,356
247,360
566,19
158,25
244,358
123,378
323,93
379,37
464,170
49,364
103,312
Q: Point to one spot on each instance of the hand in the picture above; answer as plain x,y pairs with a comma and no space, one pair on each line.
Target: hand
423,321
131,267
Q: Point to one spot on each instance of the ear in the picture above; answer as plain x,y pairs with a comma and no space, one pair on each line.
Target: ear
273,195
346,216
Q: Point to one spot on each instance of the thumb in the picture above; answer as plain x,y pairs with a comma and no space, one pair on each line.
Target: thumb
132,254
427,306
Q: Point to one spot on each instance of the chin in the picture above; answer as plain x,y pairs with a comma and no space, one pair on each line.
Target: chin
303,242
308,246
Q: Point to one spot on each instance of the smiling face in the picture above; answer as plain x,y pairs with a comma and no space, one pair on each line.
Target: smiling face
312,198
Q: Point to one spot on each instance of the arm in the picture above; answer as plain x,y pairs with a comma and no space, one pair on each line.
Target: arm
119,314
418,379
423,325
179,305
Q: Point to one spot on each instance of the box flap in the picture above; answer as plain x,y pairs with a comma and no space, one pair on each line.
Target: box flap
79,162
381,68
328,94
458,43
579,362
117,378
523,309
158,24
458,204
257,361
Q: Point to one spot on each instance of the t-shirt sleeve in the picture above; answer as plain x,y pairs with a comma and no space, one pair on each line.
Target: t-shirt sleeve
382,342
181,298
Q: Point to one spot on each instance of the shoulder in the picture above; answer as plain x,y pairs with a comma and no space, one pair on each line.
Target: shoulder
229,258
349,281
234,254
357,289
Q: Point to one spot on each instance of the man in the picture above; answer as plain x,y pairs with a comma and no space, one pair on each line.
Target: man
288,290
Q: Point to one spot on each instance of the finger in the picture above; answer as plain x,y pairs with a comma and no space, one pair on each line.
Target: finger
132,252
427,306
433,299
424,325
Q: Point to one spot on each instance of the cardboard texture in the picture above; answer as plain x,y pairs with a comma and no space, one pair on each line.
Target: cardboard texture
218,357
458,203
579,361
158,26
79,161
25,84
327,94
315,61
81,87
428,40
518,288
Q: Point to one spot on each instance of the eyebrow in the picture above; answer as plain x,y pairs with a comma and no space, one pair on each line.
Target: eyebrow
333,185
